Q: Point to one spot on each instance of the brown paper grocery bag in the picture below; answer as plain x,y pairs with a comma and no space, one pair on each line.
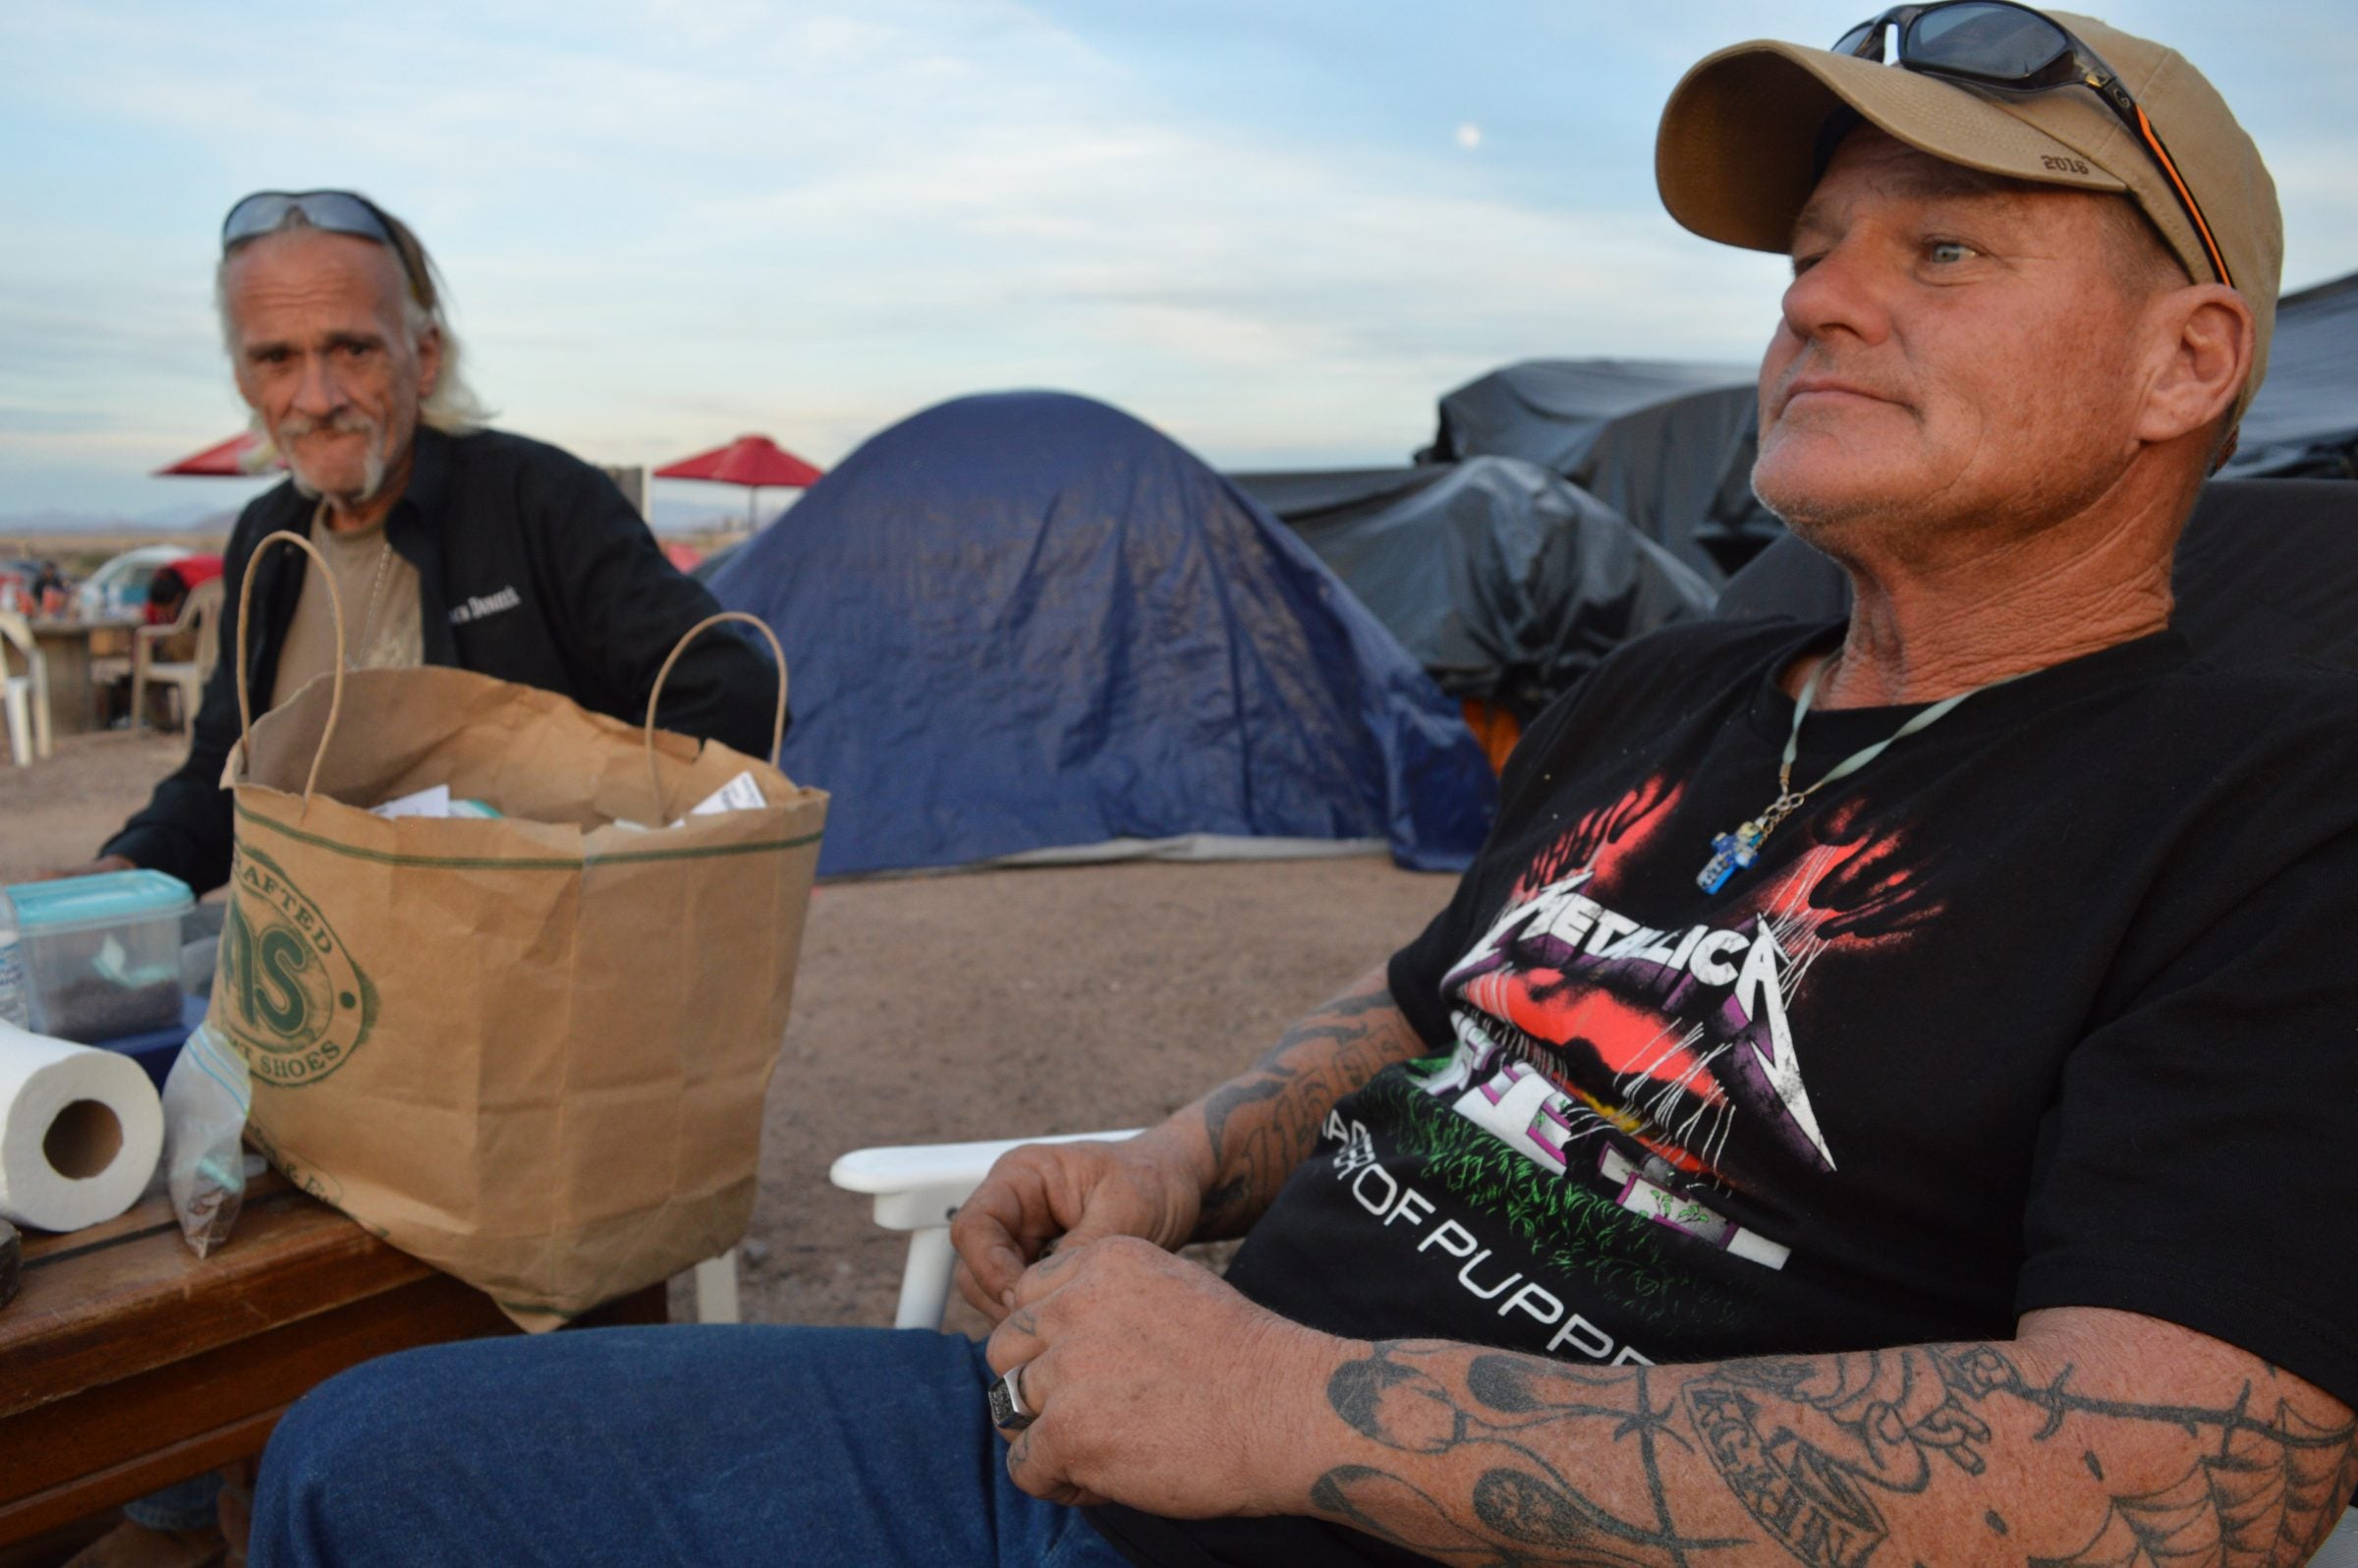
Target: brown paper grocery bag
531,1050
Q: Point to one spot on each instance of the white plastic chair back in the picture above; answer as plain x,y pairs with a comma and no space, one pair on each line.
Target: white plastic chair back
24,695
198,618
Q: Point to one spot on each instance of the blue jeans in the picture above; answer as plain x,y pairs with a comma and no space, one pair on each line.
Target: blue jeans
681,1445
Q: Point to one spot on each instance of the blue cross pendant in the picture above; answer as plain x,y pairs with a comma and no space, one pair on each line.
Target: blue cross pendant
1731,853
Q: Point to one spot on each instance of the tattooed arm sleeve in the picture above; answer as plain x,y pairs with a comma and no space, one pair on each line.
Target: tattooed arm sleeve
1261,1124
2094,1438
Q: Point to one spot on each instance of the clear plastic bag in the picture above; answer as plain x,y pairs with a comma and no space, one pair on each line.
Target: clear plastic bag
205,1099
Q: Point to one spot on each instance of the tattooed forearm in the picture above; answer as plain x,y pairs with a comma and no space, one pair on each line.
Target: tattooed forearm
1501,1484
1931,1453
1263,1122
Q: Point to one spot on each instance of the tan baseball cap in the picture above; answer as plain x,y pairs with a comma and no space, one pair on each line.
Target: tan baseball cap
1737,154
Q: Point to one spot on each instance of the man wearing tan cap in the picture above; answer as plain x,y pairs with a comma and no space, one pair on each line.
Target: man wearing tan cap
1887,1092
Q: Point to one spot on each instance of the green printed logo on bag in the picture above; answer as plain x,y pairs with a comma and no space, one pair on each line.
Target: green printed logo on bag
287,992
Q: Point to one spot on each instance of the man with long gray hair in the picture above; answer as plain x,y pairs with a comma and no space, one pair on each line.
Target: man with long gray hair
448,544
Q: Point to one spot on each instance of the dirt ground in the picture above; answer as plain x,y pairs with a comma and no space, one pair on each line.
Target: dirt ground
992,1004
58,810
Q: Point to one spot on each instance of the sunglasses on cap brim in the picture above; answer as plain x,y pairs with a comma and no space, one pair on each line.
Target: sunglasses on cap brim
2003,47
335,211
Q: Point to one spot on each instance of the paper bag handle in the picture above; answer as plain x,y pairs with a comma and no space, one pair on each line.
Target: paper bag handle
335,602
777,728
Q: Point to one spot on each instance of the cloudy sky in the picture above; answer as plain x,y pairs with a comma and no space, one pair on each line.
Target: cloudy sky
1277,230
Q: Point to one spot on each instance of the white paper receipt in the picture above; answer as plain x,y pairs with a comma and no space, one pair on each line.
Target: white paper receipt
424,803
437,803
740,794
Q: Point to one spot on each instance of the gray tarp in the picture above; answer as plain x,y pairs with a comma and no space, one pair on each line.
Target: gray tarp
1668,446
2305,420
1505,582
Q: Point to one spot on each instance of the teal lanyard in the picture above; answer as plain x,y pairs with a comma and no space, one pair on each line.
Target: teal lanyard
1734,852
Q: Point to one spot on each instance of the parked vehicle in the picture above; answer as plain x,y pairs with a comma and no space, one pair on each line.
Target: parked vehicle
120,587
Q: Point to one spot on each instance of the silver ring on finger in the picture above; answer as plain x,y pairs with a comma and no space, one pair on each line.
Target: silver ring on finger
1008,1411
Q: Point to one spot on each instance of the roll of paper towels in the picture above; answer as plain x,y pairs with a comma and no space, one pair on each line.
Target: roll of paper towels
80,1132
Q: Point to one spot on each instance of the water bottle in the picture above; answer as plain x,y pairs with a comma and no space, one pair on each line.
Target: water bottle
16,988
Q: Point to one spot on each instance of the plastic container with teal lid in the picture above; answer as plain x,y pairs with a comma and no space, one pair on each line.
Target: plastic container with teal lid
102,953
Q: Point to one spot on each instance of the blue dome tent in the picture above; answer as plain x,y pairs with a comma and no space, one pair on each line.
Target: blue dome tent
1027,625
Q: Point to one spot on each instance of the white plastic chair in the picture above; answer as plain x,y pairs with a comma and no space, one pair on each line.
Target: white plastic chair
24,698
186,677
918,1187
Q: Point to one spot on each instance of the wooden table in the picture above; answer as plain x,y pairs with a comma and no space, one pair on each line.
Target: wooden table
68,649
128,1363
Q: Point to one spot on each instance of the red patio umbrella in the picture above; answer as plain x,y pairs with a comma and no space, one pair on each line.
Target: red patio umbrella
753,460
244,456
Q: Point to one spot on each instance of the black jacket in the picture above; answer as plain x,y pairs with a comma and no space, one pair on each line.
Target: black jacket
531,567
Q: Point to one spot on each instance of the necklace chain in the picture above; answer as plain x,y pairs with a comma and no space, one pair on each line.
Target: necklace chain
357,655
377,593
1735,852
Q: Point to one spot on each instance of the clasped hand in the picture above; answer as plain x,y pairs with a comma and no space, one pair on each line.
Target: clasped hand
1154,1382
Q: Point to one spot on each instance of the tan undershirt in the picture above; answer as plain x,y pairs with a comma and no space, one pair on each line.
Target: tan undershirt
380,617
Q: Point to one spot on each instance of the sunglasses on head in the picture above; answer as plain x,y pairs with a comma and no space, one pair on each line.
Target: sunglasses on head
2003,48
335,211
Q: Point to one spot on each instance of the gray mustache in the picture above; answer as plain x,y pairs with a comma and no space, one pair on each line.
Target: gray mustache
344,423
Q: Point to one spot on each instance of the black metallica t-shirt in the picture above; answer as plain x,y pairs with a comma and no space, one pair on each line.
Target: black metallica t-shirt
2050,1004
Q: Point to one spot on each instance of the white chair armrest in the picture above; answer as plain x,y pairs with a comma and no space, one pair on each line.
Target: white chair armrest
918,1187
921,1184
